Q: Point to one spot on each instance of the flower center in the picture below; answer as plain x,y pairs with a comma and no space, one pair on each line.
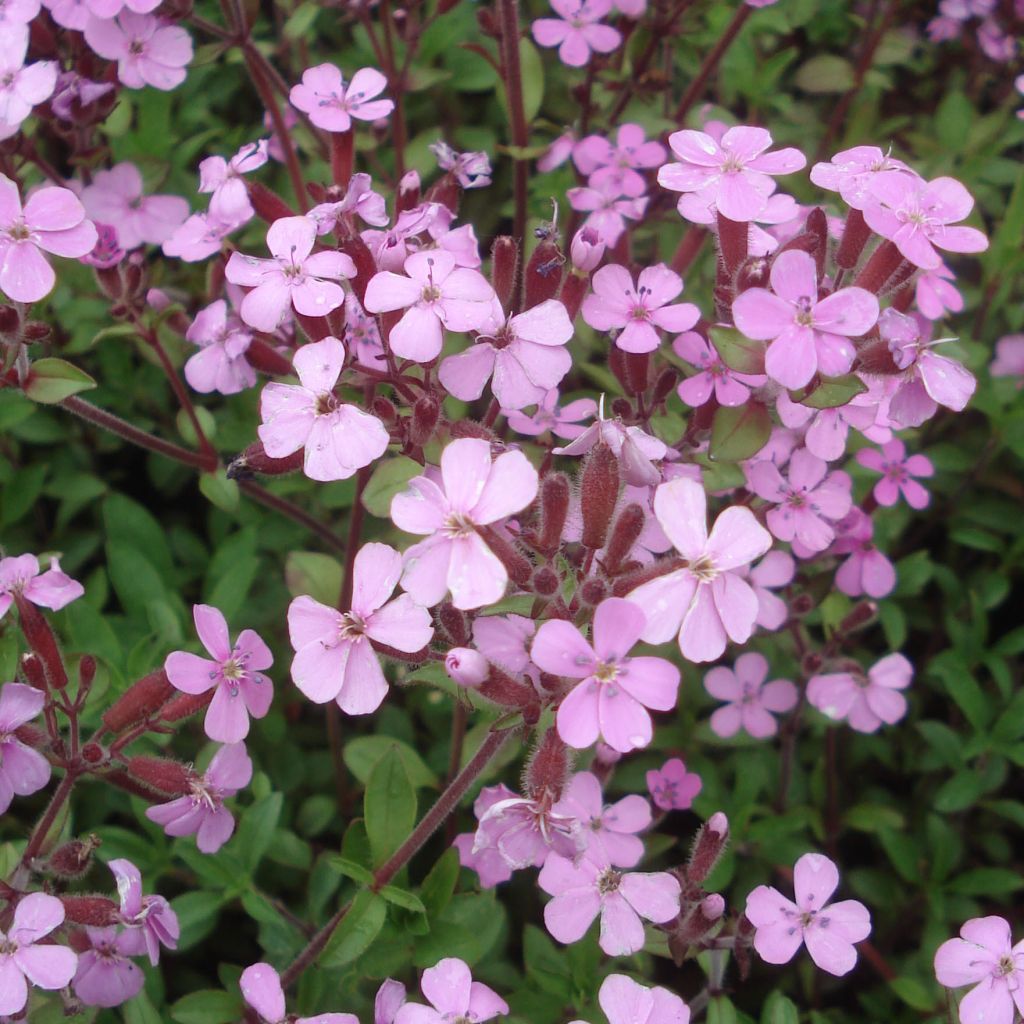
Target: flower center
608,881
1006,966
606,672
704,569
458,525
326,403
352,626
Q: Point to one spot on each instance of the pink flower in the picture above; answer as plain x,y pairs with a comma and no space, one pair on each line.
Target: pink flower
827,430
775,570
295,275
332,105
751,701
714,377
864,702
636,311
453,996
334,657
851,172
471,170
105,975
53,589
359,199
867,570
220,364
149,919
620,162
583,891
436,294
235,673
635,450
148,50
609,204
388,1001
706,603
672,787
807,503
984,957
559,150
935,293
562,421
806,335
615,691
505,640
23,771
1009,360
261,989
527,358
202,813
733,174
474,492
587,249
609,830
24,959
897,472
15,13
828,930
229,199
115,197
577,30
625,1001
918,216
22,85
199,237
338,439
52,220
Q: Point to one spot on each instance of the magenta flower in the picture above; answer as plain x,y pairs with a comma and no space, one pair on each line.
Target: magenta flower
918,216
713,376
609,830
115,197
105,976
806,335
734,174
625,1001
864,702
828,930
24,959
807,503
471,170
53,220
935,293
338,439
295,275
198,238
751,701
577,30
484,857
827,430
1009,360
334,657
23,771
261,989
220,364
585,890
866,570
620,162
229,199
775,570
453,996
148,50
331,105
851,172
388,1001
234,672
525,354
14,13
636,311
22,85
707,602
474,492
615,691
608,205
984,957
562,421
672,787
436,294
202,813
53,589
898,472
505,640
149,919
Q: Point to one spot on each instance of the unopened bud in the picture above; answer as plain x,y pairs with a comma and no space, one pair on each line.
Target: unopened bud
664,384
505,691
140,701
712,907
545,581
73,859
408,192
574,289
265,358
33,671
454,623
255,460
547,768
425,414
861,615
599,493
554,508
184,706
36,330
92,911
466,667
629,524
708,847
593,591
359,252
587,249
41,640
10,320
384,409
269,206
855,236
504,261
544,272
86,672
811,663
163,774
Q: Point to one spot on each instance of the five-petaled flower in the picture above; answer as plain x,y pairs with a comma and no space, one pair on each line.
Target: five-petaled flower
752,702
331,104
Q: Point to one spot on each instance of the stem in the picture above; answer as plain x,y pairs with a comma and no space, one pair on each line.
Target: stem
689,248
313,948
45,823
292,511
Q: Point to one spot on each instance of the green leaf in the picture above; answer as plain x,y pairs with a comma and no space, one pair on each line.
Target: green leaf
351,869
913,993
387,480
778,1009
439,885
721,1011
309,572
985,881
739,432
256,829
52,380
403,898
209,1006
467,929
389,805
357,930
825,73
363,752
219,490
833,392
738,352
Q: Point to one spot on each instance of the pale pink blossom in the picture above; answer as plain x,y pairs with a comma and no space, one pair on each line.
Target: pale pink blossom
116,197
806,335
577,31
73,92
22,86
16,13
261,988
620,161
453,995
615,691
608,206
935,293
23,771
713,376
111,8
25,960
479,851
829,930
707,603
388,1001
587,249
523,831
52,589
851,172
984,956
584,890
106,976
334,654
150,921
235,673
827,430
220,364
360,199
474,492
505,640
609,830
435,294
558,151
866,570
864,702
752,702
898,471
202,812
229,198
72,14
625,1001
331,104
294,276
198,237
775,570
471,170
734,173
1009,358
672,787
148,50
52,220
338,438
562,421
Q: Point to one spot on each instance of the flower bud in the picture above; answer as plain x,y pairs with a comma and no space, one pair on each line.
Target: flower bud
454,623
733,242
359,252
599,492
712,907
629,524
518,567
466,667
93,753
92,911
384,409
587,250
665,384
500,688
593,591
862,614
811,663
265,358
255,460
504,261
41,640
574,289
86,673
554,508
855,236
140,701
184,706
35,330
547,768
73,859
269,206
408,192
544,271
163,774
33,671
425,414
10,321
708,847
